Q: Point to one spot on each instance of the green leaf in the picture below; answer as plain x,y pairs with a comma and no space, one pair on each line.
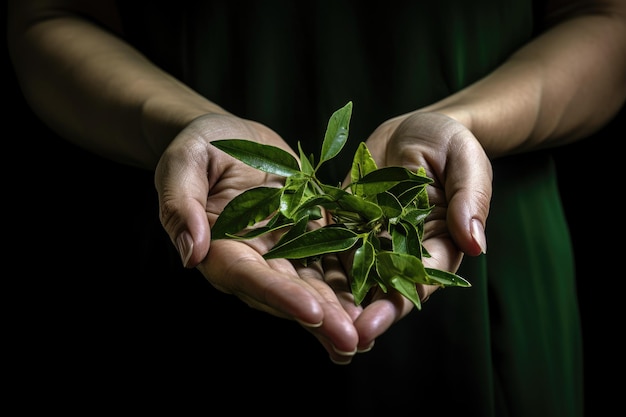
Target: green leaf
390,264
388,199
312,205
293,193
266,158
406,288
247,209
406,239
258,231
336,133
408,193
354,204
362,264
313,213
447,279
385,178
296,230
306,163
415,216
314,243
362,164
401,272
389,204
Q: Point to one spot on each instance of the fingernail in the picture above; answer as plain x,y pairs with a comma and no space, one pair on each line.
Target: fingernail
184,244
343,352
344,358
367,348
478,234
305,324
347,361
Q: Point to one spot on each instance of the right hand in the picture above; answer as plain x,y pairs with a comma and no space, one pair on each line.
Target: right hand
195,181
461,194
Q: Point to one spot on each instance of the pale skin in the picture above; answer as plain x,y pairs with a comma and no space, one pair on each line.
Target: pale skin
90,86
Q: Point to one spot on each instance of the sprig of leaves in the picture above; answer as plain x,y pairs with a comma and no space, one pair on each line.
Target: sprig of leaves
380,215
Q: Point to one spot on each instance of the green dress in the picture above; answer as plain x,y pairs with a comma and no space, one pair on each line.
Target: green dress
508,346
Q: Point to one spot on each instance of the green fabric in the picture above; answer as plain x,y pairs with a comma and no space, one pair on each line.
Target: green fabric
511,344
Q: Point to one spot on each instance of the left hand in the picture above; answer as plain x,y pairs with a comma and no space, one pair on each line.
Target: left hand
461,194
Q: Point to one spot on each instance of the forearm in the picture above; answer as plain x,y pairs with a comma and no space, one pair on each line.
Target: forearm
98,92
552,91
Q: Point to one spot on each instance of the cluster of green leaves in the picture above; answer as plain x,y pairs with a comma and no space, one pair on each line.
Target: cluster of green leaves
380,215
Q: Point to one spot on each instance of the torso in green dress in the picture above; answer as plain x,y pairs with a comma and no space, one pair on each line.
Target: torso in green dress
508,346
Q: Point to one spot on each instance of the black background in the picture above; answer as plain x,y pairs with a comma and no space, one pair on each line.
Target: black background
57,248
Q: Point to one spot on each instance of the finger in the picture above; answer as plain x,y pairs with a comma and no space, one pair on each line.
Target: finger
468,191
337,333
337,279
277,288
236,268
379,315
382,310
460,168
182,187
444,254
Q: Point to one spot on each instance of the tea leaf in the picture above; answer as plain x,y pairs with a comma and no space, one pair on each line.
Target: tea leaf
247,209
354,205
362,164
390,264
293,193
258,231
406,288
406,239
380,215
386,178
307,163
336,133
446,278
389,204
362,266
298,229
408,193
415,215
314,243
266,158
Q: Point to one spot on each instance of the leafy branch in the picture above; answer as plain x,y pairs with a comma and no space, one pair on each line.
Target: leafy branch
380,215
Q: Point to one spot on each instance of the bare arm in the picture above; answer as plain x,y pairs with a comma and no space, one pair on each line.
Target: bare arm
561,87
558,88
100,93
93,88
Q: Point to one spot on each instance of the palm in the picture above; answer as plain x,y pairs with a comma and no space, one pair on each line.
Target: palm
195,182
454,159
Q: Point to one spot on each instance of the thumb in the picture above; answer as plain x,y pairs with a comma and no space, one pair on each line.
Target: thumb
468,191
182,186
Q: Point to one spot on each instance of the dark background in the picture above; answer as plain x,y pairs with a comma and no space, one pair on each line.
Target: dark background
58,251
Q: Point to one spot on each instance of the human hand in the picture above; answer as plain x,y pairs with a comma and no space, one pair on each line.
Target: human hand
195,181
461,194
